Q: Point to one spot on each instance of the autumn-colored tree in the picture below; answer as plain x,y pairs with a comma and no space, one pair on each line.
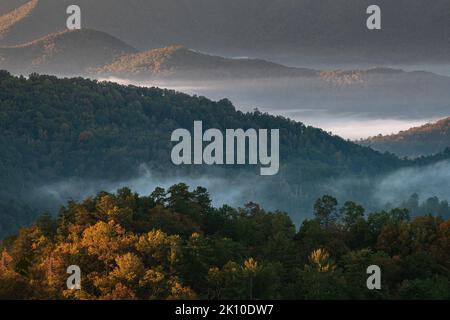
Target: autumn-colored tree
105,240
159,249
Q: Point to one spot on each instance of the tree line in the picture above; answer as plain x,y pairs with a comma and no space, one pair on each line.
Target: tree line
173,244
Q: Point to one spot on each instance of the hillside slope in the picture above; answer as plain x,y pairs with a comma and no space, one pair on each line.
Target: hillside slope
182,63
425,140
55,130
177,62
63,53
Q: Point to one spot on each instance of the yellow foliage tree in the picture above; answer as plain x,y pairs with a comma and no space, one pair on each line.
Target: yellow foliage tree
321,261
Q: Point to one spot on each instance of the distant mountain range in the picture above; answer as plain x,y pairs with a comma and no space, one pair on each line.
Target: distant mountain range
294,32
64,53
182,63
30,42
93,53
421,141
380,92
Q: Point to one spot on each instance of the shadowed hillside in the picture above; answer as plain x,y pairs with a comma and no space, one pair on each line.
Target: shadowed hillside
182,63
64,53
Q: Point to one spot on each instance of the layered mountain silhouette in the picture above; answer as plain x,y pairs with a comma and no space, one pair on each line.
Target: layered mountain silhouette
290,31
420,141
64,53
94,54
377,92
90,52
33,42
98,54
182,63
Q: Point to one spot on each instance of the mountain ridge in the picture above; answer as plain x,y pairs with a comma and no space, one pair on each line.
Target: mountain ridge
105,55
424,140
181,62
384,92
320,31
67,52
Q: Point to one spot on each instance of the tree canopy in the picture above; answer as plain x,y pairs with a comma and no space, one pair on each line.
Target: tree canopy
172,244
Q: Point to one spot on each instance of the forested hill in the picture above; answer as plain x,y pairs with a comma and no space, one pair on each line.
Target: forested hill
53,129
425,140
90,128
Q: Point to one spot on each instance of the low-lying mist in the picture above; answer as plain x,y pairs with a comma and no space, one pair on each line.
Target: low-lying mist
374,193
352,110
222,191
430,181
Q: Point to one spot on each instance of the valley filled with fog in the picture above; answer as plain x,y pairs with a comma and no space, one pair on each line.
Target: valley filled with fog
351,108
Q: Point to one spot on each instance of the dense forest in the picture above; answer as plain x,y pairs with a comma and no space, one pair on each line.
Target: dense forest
173,244
52,130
